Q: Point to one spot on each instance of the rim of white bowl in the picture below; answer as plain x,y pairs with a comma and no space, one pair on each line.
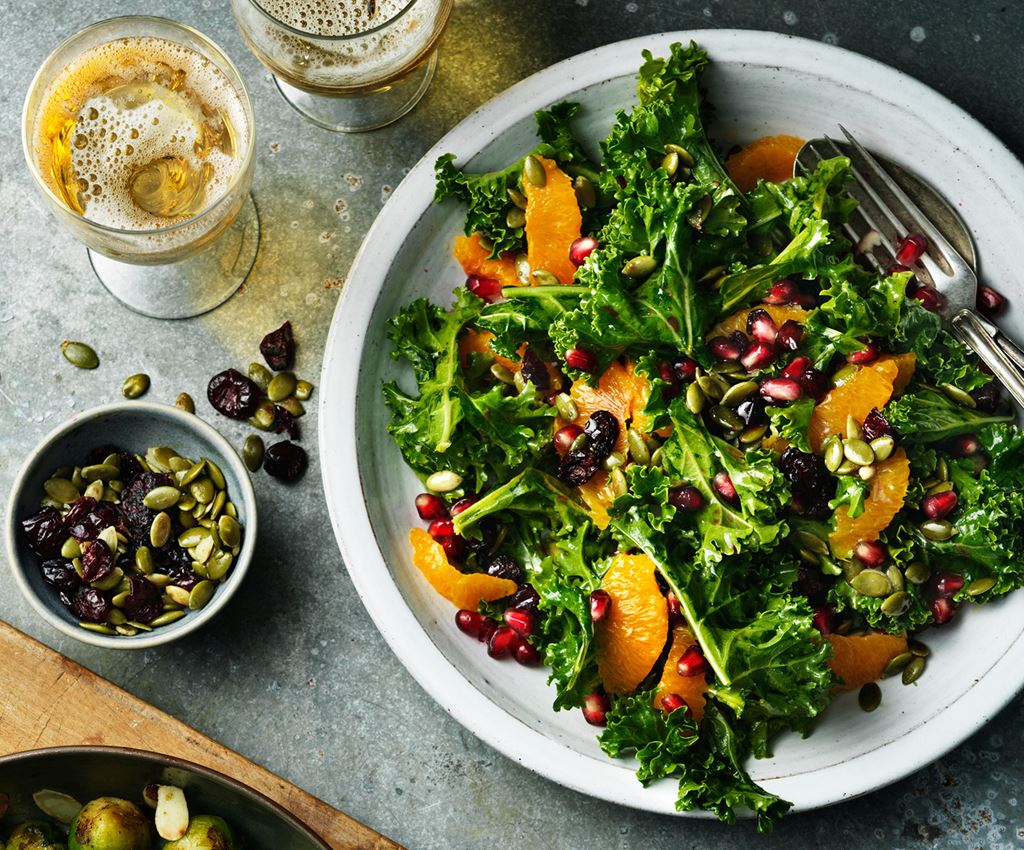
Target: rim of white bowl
196,619
607,779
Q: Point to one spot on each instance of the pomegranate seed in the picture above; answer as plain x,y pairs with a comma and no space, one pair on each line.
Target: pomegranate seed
600,604
808,302
526,654
797,366
780,390
929,298
814,383
910,248
675,613
822,620
782,292
454,546
581,359
990,302
502,642
520,620
791,335
896,268
595,708
463,503
580,249
761,326
758,356
692,662
488,628
685,368
726,348
966,445
688,498
946,584
672,702
486,288
669,377
939,505
441,528
566,436
943,610
470,622
871,553
429,506
868,354
725,488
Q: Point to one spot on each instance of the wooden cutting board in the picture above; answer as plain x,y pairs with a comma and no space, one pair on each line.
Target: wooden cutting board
60,703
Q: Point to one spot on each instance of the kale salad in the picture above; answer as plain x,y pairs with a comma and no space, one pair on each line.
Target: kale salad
683,447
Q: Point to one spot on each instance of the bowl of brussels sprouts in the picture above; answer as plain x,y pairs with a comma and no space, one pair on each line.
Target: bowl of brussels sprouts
106,798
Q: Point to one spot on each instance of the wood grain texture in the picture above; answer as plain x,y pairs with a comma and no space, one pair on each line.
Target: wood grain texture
60,703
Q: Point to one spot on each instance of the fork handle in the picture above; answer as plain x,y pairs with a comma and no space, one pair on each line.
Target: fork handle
971,329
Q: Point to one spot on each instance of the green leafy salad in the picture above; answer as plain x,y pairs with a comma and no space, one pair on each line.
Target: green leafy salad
714,456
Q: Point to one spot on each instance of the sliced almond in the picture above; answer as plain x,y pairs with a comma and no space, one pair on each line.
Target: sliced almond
61,807
171,812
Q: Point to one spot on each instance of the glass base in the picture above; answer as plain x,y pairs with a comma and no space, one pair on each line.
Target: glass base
363,112
194,285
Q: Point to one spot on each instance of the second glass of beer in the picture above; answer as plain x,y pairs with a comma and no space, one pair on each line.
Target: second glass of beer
347,65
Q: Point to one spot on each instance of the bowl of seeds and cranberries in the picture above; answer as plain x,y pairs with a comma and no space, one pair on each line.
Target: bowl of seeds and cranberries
131,525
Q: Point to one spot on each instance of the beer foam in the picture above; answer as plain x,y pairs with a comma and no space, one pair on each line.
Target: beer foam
139,100
333,17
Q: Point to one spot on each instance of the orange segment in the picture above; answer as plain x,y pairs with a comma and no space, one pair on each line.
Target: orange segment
906,364
738,320
690,688
553,222
477,342
632,635
475,259
768,158
888,492
871,387
860,659
462,590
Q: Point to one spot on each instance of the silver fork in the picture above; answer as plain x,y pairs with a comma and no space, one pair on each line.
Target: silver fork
945,267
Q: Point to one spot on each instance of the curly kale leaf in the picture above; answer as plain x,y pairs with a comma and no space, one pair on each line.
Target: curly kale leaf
941,357
926,415
791,422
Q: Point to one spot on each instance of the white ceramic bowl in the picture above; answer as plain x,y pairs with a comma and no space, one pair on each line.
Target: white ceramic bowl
760,83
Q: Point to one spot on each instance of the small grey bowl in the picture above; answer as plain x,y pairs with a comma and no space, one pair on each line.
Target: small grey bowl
134,426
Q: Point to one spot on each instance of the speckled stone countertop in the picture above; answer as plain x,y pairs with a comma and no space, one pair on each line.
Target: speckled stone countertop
294,674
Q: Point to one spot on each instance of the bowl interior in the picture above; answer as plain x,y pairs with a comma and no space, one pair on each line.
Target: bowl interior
760,84
133,426
87,773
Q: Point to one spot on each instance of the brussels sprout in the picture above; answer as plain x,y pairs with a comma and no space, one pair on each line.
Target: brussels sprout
36,835
109,823
205,832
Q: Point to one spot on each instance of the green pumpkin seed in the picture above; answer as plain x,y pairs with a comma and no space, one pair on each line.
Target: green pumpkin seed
912,672
109,582
260,375
851,569
542,277
109,537
192,537
158,458
866,473
942,470
614,460
809,557
897,664
216,476
882,447
937,529
160,530
219,565
711,274
185,517
113,460
144,560
230,531
252,452
980,586
169,604
303,390
167,618
502,373
895,576
738,393
869,697
728,369
684,155
70,549
203,490
281,386
847,467
725,418
640,267
47,502
853,429
485,243
116,618
120,598
100,472
77,564
517,198
657,456
178,595
200,595
135,386
843,374
231,510
941,487
566,407
116,485
638,450
158,579
694,399
534,171
670,163
833,451
857,451
191,472
918,648
872,583
187,502
955,394
515,218
202,551
810,540
712,386
99,628
753,433
61,490
95,490
77,479
161,498
79,354
700,212
896,604
184,402
293,406
579,443
618,482
518,381
443,481
179,464
586,194
125,630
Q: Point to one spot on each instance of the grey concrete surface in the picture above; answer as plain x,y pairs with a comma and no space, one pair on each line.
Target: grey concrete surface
294,674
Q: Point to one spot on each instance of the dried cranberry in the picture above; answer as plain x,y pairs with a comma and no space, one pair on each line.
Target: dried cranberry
278,348
46,532
285,461
137,517
97,561
988,397
233,394
503,566
87,518
60,574
814,383
143,601
876,425
602,430
811,583
284,422
534,370
90,605
811,483
525,597
130,466
177,564
578,467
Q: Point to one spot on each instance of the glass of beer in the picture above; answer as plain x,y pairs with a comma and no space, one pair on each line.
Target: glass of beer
347,65
139,133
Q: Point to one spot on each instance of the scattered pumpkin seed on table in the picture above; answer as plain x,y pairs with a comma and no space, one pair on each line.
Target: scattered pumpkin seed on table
79,354
135,386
